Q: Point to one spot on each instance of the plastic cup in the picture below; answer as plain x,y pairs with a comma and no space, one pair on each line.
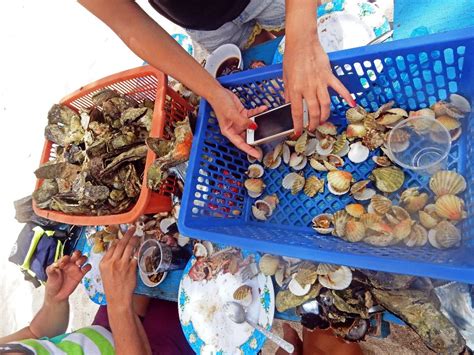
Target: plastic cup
155,257
421,144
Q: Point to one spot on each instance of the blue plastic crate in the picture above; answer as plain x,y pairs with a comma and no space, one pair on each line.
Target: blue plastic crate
415,73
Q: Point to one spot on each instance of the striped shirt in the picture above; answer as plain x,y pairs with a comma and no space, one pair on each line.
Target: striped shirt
90,340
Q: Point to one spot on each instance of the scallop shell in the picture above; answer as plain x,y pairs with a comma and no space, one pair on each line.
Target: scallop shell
277,151
399,136
325,146
382,161
423,113
337,280
269,264
381,228
251,159
400,213
243,294
389,179
402,229
300,145
381,204
271,200
413,200
340,143
449,122
418,236
355,231
365,195
427,220
329,166
311,147
286,153
259,214
295,159
460,102
453,111
355,210
255,171
316,165
446,182
289,180
356,130
325,269
313,185
451,207
254,185
390,119
298,185
359,186
301,165
280,276
200,251
327,128
444,236
369,219
439,108
339,181
269,162
379,240
358,153
264,206
383,109
323,223
306,274
455,134
295,288
356,114
340,219
335,160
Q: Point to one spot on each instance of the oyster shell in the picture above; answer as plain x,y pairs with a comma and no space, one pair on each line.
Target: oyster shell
355,210
255,171
451,207
427,220
313,185
418,236
327,128
381,204
445,235
358,153
355,231
300,145
356,130
337,280
389,179
269,264
243,295
323,223
339,182
445,182
356,114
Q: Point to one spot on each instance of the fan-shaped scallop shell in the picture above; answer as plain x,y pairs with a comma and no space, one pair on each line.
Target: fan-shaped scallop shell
327,128
316,165
400,213
243,294
306,275
413,200
358,153
451,207
271,163
259,214
324,269
447,182
298,185
445,235
383,109
369,219
382,161
271,200
337,280
311,147
329,166
356,114
388,179
297,289
268,264
389,118
460,102
340,219
254,185
356,130
359,186
340,143
339,180
355,231
251,159
286,153
322,223
402,229
255,171
289,180
449,122
278,150
379,240
264,206
335,160
300,145
325,146
427,220
313,185
381,204
355,210
418,236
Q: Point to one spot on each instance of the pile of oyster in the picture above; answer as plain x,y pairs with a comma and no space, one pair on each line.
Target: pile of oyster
414,221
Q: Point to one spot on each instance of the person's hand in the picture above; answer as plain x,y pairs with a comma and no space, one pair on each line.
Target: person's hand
118,269
64,276
307,75
234,120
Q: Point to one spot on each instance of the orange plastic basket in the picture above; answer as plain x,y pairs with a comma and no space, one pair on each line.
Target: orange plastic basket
139,83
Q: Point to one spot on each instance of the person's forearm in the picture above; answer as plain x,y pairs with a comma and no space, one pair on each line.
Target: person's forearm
127,330
301,14
151,43
51,320
22,334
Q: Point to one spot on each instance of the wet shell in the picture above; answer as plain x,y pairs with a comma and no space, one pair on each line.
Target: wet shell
358,153
439,108
382,161
295,288
389,179
269,162
300,145
339,181
268,264
254,185
311,147
286,154
355,210
451,207
243,295
251,159
379,240
427,220
323,223
355,231
418,236
370,219
356,114
325,146
313,185
381,204
402,229
460,102
449,122
316,165
255,171
340,219
412,200
383,109
337,280
447,182
324,269
356,130
271,200
424,113
445,236
327,128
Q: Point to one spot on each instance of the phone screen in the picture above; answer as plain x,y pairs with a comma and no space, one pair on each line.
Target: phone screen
273,122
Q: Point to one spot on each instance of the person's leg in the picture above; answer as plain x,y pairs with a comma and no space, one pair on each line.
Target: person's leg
318,341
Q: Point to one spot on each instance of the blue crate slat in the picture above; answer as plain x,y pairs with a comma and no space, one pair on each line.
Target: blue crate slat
415,73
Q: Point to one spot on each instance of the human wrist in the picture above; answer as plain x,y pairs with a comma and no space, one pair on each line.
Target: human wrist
52,301
216,95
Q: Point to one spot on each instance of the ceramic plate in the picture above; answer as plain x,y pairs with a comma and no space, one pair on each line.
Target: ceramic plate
207,328
345,24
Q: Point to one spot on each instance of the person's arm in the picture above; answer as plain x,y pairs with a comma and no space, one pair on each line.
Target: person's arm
306,69
118,269
53,317
151,42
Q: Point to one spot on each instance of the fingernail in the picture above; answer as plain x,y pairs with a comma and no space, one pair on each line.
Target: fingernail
353,103
253,126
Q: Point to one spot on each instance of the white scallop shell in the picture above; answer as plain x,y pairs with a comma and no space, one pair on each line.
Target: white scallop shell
337,280
259,214
200,250
344,151
289,180
296,289
254,194
334,192
255,171
295,159
322,151
286,153
358,153
364,195
311,146
316,165
460,102
301,165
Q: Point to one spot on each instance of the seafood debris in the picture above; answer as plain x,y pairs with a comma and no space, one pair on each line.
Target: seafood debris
228,260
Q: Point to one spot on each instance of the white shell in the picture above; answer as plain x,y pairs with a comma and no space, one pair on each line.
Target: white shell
460,102
337,280
316,165
259,214
358,153
311,146
276,163
301,165
254,194
165,223
289,180
322,151
364,195
251,159
200,250
280,276
334,192
255,171
432,239
344,151
182,240
296,289
286,153
295,159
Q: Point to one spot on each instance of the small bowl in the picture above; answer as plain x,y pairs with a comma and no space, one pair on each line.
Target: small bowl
224,53
146,279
